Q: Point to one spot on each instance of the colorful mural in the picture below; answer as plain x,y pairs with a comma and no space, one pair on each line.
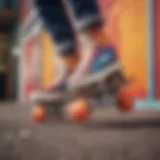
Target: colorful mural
29,50
127,27
31,75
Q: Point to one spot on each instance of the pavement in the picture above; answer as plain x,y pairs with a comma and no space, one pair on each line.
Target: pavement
109,135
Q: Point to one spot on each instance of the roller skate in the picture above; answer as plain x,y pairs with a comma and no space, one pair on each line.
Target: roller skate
100,76
49,101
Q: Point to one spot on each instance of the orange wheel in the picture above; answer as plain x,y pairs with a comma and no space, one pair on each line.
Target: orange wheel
125,100
79,110
38,114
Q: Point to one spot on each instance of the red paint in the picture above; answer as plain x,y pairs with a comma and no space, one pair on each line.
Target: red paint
140,94
30,85
157,45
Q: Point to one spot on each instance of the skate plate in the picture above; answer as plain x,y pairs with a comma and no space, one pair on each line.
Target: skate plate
59,108
47,98
48,106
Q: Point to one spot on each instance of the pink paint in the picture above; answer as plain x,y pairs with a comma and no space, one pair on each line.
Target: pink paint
30,86
31,76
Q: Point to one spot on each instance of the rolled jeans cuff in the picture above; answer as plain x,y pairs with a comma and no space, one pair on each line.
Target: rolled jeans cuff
66,48
89,22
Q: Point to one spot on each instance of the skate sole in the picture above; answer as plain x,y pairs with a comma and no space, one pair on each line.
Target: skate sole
46,98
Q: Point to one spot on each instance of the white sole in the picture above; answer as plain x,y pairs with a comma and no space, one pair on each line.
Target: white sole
47,97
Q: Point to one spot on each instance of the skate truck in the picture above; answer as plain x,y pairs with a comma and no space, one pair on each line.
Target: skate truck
79,100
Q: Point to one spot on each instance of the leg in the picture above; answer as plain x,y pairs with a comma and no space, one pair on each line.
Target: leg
55,20
86,13
89,19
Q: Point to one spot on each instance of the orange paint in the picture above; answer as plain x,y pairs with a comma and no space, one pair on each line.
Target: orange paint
133,48
127,28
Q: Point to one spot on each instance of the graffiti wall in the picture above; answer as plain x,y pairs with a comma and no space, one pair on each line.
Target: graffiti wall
29,50
31,64
127,27
25,9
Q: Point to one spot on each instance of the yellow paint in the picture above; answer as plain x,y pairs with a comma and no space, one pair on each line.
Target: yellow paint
133,40
48,59
127,29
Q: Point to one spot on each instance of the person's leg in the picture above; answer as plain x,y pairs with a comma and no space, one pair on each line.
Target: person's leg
57,23
89,19
86,13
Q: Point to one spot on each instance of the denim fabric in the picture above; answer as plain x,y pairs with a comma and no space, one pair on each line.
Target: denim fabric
57,22
86,13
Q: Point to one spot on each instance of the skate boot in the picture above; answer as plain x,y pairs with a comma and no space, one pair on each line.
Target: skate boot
99,76
118,84
49,100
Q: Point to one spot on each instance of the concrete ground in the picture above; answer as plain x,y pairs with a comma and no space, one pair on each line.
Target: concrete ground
110,135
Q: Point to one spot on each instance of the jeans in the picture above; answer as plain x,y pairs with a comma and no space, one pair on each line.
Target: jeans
57,21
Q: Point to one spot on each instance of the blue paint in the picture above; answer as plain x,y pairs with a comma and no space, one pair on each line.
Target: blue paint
104,59
150,104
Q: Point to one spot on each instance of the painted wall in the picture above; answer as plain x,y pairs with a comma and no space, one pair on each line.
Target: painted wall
31,65
48,59
30,62
127,28
134,43
29,50
157,45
